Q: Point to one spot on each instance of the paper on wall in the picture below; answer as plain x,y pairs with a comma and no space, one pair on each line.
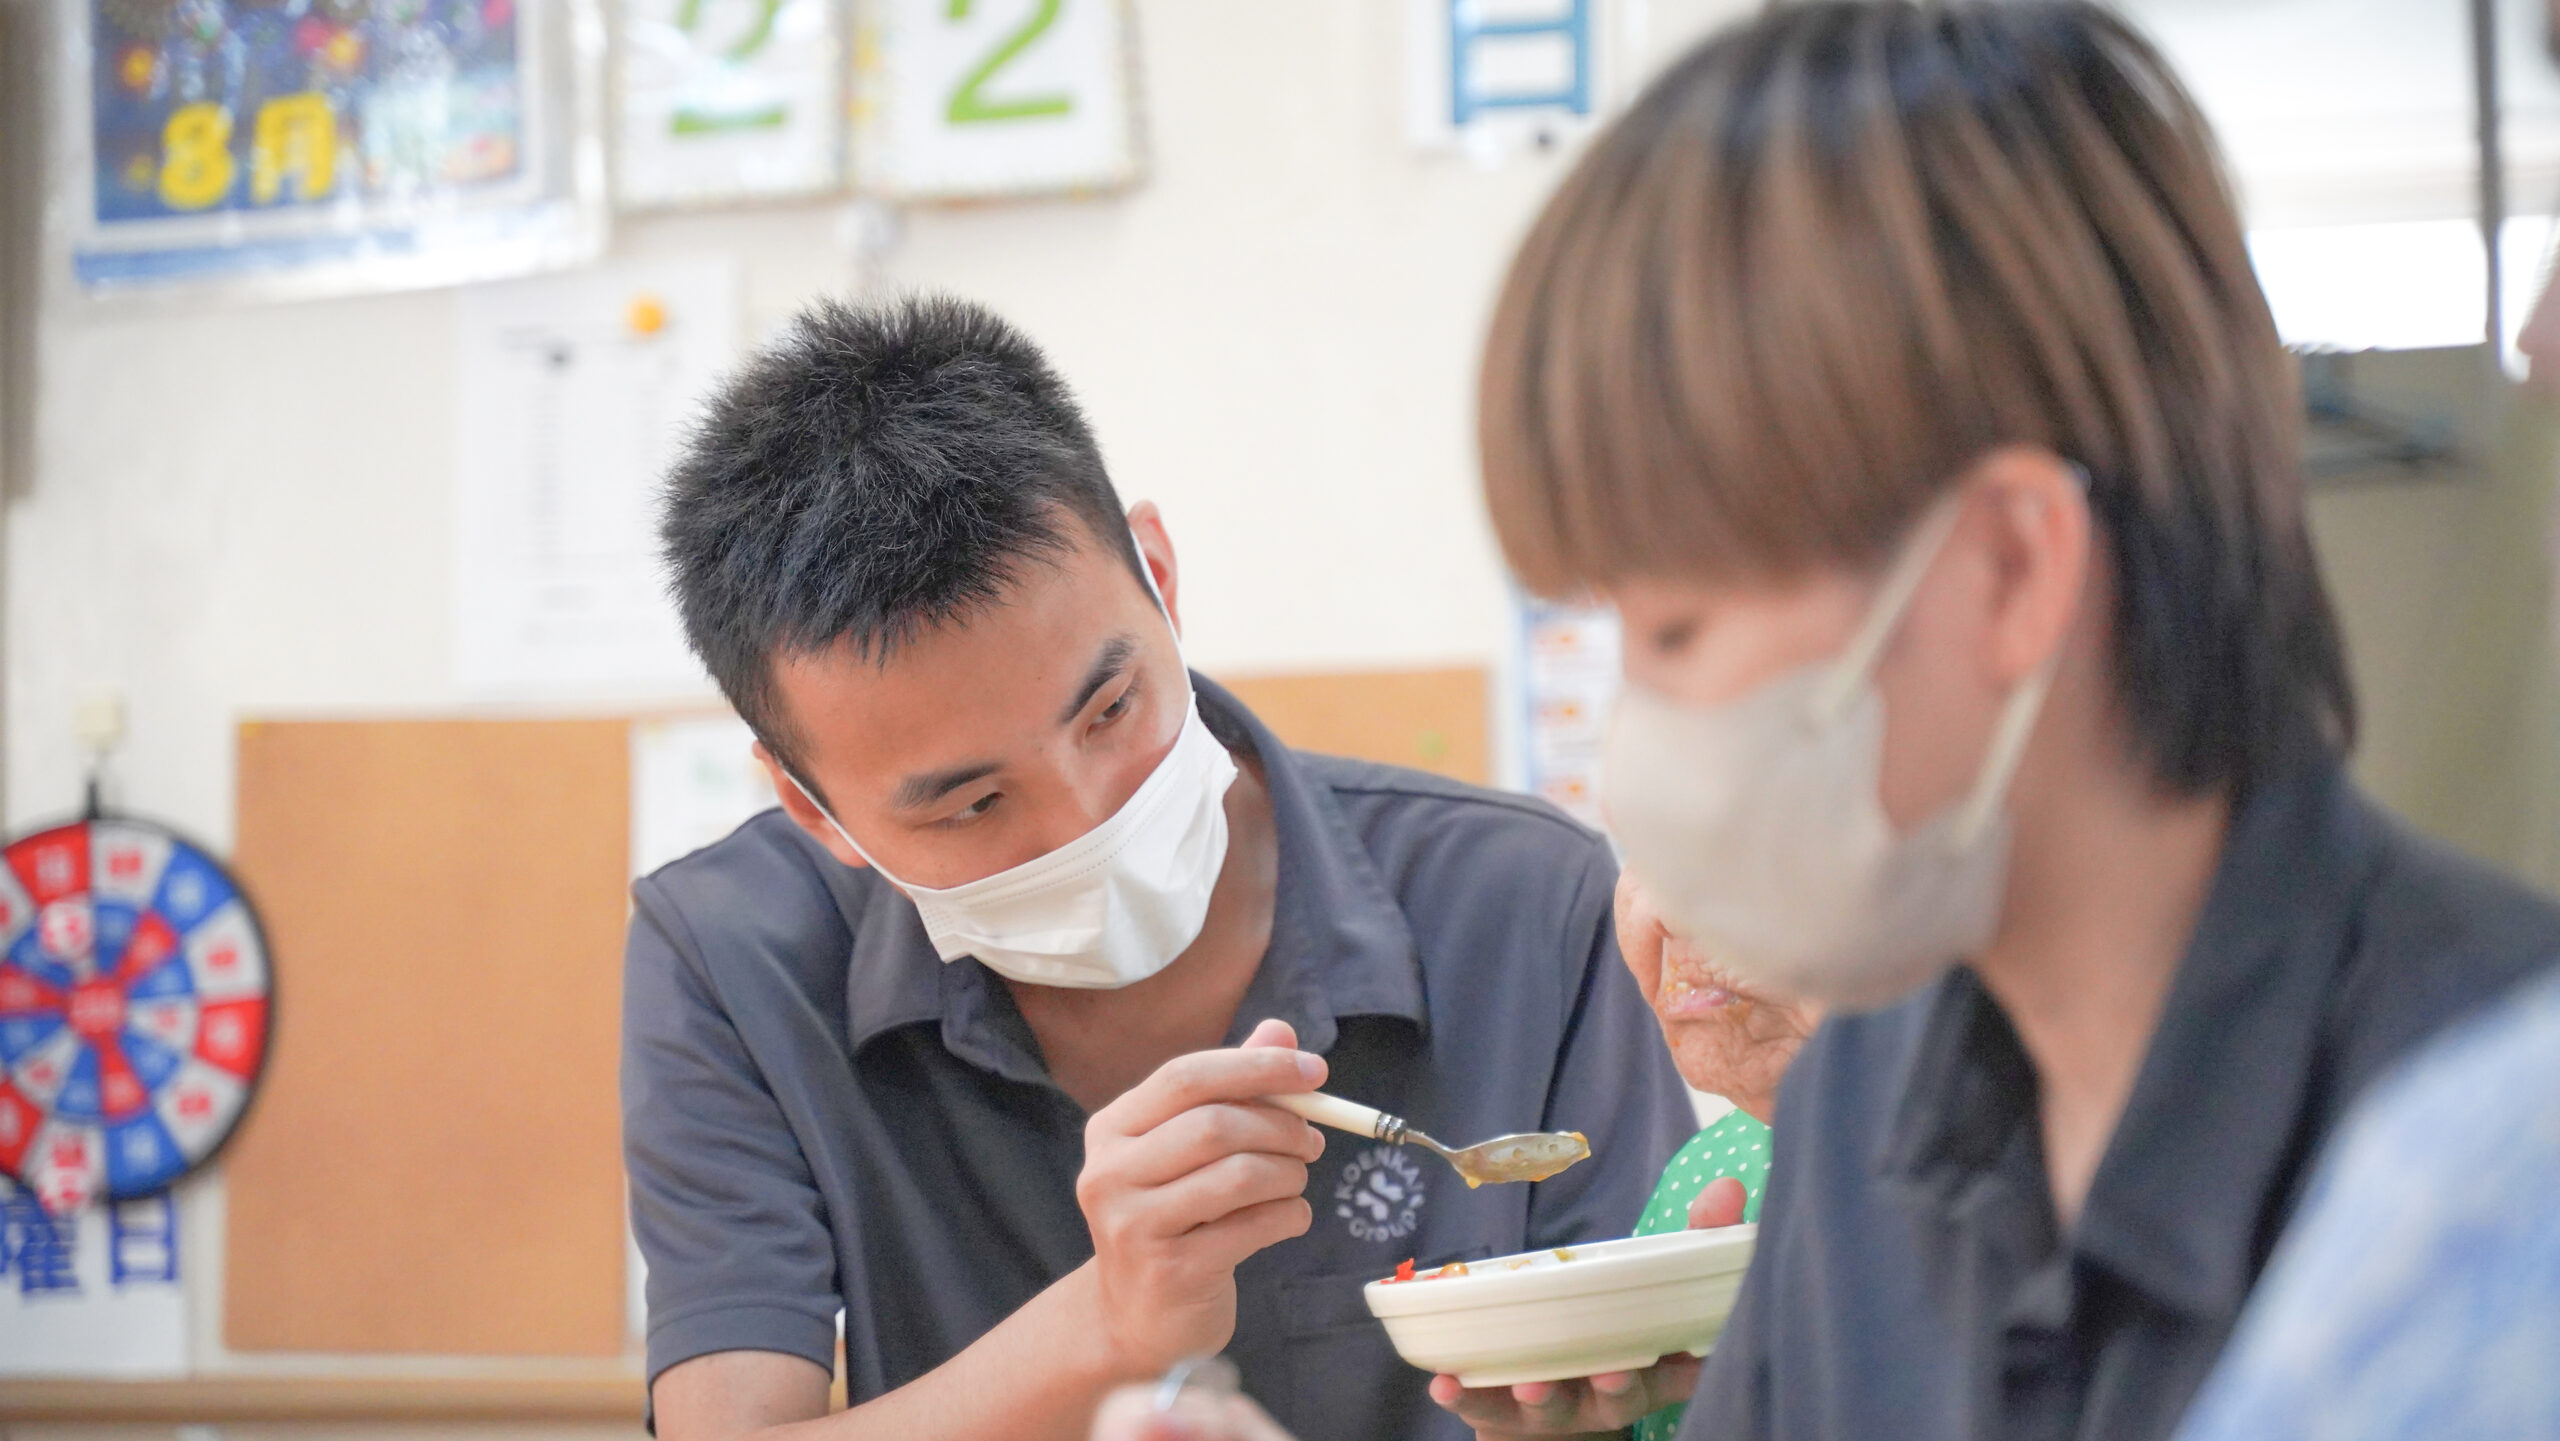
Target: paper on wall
963,99
1569,679
728,100
97,1293
571,394
694,779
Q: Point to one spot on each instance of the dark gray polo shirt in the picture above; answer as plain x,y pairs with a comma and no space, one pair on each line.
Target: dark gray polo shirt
818,1113
1912,1280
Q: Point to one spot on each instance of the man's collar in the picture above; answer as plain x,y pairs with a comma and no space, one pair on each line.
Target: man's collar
1340,945
2190,1175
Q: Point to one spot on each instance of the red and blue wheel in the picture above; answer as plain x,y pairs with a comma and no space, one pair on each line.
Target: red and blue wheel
134,995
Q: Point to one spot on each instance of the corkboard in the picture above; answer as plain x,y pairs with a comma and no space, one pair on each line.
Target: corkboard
1433,720
433,1164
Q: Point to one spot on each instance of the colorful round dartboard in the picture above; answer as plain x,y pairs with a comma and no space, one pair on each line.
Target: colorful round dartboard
133,1009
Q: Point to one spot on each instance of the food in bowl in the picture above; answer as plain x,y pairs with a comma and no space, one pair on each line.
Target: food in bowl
1579,1311
1405,1271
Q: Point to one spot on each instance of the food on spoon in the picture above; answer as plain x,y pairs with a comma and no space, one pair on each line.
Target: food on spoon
1524,1158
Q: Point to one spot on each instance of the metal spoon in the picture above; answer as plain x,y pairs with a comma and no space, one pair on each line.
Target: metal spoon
1528,1156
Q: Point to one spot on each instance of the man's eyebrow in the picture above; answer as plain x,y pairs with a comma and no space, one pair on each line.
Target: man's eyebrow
1112,659
931,786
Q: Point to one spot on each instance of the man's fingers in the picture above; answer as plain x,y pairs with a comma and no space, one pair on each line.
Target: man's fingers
1272,1031
1622,1398
1720,1204
1673,1378
1230,1239
1493,1408
1206,1078
1559,1408
1214,1192
1547,1405
1204,1135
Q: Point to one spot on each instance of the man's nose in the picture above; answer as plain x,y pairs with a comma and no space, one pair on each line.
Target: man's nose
1082,804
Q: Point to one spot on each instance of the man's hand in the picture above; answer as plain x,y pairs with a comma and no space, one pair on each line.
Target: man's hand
1186,1175
1597,1405
1130,1414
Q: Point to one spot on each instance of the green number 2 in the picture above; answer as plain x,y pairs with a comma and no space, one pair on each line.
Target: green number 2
716,120
968,106
689,19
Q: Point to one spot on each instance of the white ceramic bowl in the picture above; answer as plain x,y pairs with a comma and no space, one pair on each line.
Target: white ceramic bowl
1607,1306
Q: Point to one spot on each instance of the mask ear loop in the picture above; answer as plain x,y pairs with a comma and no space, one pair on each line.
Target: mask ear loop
2008,747
2009,738
1892,599
838,827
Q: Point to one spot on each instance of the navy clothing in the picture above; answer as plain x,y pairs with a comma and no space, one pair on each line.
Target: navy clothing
819,1113
1913,1281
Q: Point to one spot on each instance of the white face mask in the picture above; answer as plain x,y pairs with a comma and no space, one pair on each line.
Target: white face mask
1109,908
1760,827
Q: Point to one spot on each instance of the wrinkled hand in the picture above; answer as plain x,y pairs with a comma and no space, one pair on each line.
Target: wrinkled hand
1186,1175
1130,1414
1595,1406
1727,1040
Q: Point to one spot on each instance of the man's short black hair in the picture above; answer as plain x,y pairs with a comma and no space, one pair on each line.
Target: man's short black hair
879,470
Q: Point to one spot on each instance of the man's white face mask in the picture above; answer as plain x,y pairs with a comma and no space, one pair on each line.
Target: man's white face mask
1759,824
1111,907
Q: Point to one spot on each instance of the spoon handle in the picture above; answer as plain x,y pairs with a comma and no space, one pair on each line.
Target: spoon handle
1344,1115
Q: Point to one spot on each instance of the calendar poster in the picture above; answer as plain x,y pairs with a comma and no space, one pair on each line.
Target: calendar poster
1568,671
342,144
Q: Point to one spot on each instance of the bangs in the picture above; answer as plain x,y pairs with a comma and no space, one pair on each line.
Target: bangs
1825,262
1833,257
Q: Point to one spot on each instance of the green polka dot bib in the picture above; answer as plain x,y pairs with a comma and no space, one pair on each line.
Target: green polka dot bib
1735,1146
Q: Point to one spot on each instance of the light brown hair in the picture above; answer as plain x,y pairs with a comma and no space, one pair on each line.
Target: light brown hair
1835,254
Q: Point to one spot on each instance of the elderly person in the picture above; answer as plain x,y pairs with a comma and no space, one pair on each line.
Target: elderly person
1728,1042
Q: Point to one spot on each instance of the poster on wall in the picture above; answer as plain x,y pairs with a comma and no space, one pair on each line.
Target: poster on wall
1568,669
1489,78
571,392
971,99
290,147
727,100
97,1292
694,779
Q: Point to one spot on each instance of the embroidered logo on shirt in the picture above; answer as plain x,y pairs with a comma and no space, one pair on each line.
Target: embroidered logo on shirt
1380,1194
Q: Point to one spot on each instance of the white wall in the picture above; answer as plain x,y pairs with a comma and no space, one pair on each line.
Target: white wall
247,509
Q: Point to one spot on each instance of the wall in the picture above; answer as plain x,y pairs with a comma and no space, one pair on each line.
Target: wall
248,510
2443,582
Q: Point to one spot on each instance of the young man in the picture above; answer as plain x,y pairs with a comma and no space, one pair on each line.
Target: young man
971,1039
